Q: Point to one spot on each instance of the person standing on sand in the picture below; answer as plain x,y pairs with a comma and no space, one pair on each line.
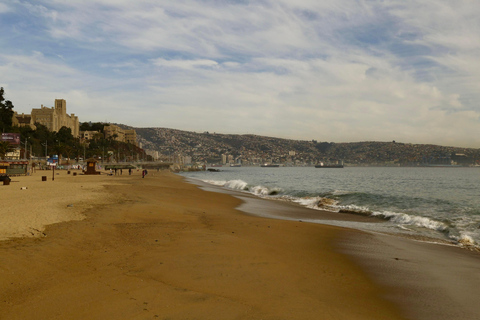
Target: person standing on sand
130,171
143,173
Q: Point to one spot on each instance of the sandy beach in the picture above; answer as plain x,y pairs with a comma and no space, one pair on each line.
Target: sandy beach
123,247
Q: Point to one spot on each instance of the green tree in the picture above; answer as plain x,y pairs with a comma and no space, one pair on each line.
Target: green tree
5,147
69,150
85,126
98,136
44,138
59,149
95,126
64,135
6,113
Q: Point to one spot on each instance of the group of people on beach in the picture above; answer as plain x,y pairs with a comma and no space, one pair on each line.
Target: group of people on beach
117,171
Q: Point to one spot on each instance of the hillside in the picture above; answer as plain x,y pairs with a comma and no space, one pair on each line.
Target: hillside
253,149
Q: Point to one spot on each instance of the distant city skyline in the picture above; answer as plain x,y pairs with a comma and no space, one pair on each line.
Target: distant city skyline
334,70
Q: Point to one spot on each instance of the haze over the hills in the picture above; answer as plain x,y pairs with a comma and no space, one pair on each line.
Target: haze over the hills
334,70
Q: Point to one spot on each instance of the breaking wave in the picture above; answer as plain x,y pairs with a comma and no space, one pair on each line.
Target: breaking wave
241,185
412,220
353,203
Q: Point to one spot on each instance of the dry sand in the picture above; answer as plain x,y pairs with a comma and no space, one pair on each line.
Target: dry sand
160,248
29,204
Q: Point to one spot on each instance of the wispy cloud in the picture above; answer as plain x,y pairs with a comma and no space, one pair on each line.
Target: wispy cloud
327,70
4,8
185,64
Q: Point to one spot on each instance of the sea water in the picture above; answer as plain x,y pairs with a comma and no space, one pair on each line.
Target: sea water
439,203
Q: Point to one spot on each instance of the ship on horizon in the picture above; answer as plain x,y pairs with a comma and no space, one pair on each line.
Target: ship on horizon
323,165
269,165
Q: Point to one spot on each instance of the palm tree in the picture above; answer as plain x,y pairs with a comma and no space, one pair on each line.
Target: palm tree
68,150
5,147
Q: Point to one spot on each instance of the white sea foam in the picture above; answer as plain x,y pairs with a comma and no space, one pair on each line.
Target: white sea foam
406,219
231,184
309,202
404,228
355,208
219,183
466,240
317,203
265,191
260,190
447,217
236,184
243,186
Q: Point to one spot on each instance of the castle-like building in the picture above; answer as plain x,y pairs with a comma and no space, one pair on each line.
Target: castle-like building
56,117
53,118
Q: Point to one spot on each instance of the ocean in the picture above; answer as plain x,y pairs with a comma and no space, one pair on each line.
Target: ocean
435,203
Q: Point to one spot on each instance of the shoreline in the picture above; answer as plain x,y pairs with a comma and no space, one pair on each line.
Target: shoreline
278,209
164,248
161,247
428,279
422,205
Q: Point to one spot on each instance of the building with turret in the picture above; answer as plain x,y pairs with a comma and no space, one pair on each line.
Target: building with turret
56,117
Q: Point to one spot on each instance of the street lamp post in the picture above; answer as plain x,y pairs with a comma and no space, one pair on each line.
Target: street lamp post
25,144
46,144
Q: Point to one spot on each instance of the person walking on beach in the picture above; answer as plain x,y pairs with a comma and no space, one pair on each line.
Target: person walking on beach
130,171
143,173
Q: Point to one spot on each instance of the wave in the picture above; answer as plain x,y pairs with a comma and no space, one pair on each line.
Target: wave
334,201
216,182
244,186
236,184
316,203
412,220
466,240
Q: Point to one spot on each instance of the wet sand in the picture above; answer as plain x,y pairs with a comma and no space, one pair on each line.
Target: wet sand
160,248
427,280
430,281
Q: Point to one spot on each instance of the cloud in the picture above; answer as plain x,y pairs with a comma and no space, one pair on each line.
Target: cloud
325,70
4,8
185,64
41,11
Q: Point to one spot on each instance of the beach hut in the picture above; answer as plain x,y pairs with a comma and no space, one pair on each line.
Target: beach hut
13,167
91,163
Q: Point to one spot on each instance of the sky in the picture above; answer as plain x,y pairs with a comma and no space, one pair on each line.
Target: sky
329,70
